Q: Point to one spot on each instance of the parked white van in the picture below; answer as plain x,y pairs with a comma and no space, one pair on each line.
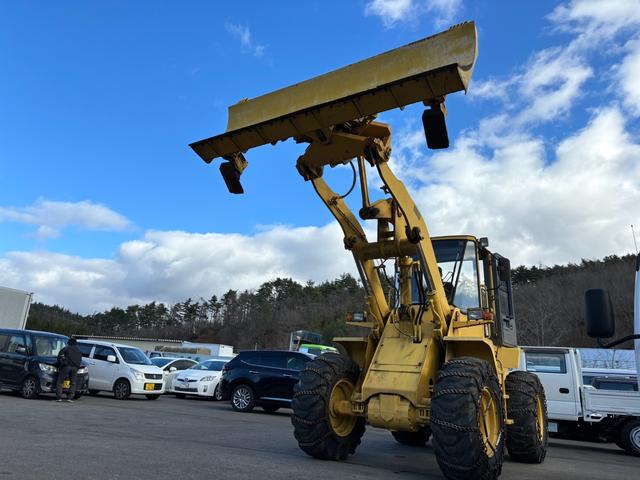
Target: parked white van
121,369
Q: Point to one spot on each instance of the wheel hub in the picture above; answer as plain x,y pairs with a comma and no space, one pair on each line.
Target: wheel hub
341,419
635,437
540,423
241,398
489,421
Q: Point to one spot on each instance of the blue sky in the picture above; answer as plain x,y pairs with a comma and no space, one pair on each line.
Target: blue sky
102,202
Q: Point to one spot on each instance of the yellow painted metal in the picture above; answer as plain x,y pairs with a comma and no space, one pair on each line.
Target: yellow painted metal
489,421
541,424
406,343
425,70
341,418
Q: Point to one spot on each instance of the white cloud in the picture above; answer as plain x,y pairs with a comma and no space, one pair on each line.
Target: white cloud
393,12
50,217
629,78
534,209
170,266
242,33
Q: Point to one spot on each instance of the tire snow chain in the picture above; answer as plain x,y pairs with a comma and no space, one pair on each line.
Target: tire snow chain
450,391
453,426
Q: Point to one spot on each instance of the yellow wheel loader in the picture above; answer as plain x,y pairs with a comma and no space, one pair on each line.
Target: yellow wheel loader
441,333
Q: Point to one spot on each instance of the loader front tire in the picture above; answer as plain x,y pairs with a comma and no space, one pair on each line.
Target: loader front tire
321,430
467,420
527,437
413,439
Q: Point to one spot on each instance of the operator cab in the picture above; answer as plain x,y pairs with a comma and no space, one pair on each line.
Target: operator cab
478,282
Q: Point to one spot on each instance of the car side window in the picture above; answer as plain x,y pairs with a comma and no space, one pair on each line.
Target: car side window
183,365
4,339
272,359
102,353
251,358
15,342
295,362
85,348
546,362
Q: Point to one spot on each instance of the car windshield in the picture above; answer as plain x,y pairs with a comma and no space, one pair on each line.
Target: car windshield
48,346
134,356
209,365
161,361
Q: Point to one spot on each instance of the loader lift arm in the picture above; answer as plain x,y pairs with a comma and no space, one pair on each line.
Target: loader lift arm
426,362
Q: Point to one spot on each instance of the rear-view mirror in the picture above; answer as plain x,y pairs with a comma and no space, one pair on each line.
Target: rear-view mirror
173,369
21,349
599,315
435,128
111,358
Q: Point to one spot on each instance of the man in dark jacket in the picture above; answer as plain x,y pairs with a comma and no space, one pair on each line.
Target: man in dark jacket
69,360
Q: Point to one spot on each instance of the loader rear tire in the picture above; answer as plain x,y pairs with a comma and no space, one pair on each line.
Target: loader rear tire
467,420
413,439
322,432
527,437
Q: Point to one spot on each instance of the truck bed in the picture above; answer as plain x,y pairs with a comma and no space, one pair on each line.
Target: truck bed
597,404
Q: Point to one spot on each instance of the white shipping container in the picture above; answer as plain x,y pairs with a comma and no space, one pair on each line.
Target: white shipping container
14,307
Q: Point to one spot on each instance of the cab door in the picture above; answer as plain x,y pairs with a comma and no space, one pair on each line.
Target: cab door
560,385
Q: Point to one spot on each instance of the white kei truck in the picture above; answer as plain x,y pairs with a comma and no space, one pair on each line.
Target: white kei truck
579,410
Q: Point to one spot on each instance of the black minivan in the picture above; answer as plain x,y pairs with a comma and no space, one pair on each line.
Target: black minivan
262,377
28,359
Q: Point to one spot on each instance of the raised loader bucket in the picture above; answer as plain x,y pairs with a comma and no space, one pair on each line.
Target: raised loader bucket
423,71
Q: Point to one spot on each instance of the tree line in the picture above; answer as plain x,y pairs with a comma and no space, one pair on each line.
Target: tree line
548,305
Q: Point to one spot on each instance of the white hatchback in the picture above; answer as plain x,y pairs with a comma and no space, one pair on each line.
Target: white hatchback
202,379
121,369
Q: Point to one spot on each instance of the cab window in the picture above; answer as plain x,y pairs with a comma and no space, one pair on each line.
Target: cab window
546,362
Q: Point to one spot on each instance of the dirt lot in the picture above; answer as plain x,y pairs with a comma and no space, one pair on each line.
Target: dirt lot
102,438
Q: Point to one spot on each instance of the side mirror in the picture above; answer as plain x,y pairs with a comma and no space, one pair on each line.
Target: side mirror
173,369
111,358
435,127
599,313
21,349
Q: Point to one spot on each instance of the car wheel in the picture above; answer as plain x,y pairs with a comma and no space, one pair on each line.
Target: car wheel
93,392
270,408
29,388
122,390
243,399
77,396
630,437
152,396
179,395
217,393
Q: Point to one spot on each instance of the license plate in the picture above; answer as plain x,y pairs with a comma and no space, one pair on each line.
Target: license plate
553,427
66,384
149,386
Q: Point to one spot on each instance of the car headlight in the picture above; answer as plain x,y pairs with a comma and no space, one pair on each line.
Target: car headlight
50,369
82,370
210,378
139,375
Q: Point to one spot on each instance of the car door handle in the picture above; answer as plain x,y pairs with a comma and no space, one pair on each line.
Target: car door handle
287,375
253,371
564,390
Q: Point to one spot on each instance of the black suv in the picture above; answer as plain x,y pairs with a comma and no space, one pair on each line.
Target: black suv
262,377
28,359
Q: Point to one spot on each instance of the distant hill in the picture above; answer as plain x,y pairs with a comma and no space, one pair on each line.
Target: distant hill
548,305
